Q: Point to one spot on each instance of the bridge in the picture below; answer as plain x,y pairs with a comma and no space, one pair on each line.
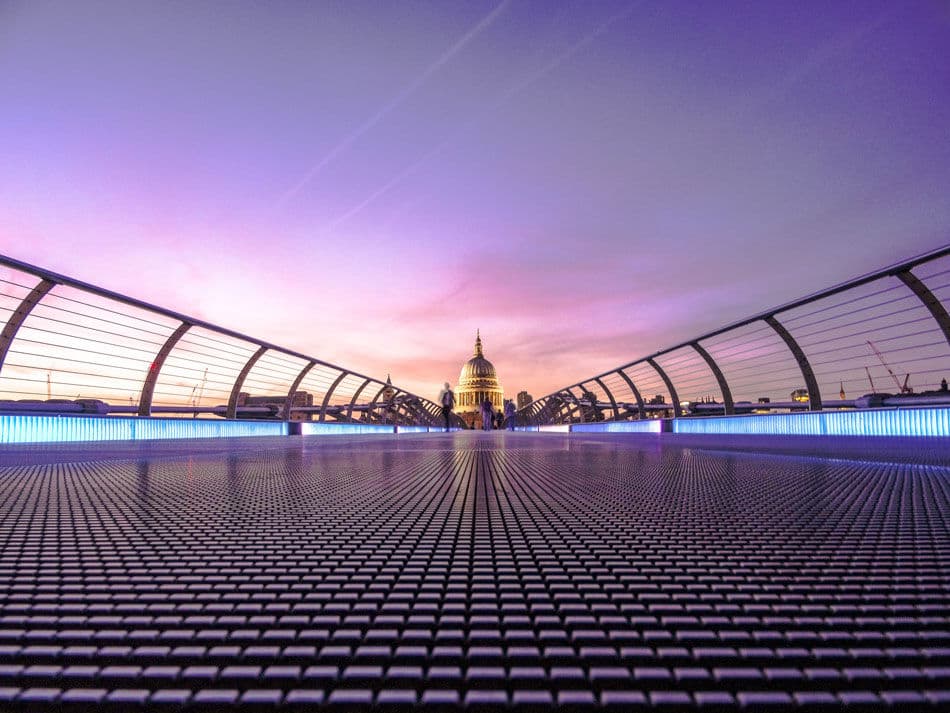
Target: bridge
195,519
884,337
90,350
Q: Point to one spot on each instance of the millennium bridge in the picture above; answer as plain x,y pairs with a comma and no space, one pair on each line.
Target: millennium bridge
195,519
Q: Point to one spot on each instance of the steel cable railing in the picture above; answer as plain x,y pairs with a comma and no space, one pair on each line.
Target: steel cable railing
67,346
885,335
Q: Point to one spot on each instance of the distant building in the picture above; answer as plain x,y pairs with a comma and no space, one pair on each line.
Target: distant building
524,398
477,382
590,407
386,406
276,404
389,391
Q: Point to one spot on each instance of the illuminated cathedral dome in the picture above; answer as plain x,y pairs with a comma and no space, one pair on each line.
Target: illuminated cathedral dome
478,367
478,381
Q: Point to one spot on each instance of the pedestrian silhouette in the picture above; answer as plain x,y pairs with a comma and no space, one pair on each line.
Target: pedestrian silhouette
488,414
447,400
510,414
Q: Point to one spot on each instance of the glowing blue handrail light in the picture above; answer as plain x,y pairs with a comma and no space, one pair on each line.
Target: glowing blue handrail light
653,425
343,429
927,422
16,428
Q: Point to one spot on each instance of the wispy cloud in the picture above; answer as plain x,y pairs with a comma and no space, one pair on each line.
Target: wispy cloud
490,107
385,110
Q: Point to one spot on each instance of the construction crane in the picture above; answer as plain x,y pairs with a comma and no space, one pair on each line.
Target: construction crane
902,388
200,388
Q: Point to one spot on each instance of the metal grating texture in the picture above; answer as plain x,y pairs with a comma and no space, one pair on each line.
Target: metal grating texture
470,571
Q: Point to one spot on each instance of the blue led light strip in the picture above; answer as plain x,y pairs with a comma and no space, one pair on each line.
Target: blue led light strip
929,422
646,426
343,429
71,429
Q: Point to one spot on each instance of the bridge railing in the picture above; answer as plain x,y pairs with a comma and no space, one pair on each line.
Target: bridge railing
880,339
70,347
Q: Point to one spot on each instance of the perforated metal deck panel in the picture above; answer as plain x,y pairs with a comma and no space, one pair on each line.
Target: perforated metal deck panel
470,571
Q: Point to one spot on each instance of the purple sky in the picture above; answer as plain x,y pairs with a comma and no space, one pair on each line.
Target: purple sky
370,182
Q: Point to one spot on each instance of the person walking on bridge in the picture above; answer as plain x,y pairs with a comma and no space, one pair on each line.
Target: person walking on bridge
488,414
447,400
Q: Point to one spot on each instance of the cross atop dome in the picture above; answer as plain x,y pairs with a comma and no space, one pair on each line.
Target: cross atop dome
478,344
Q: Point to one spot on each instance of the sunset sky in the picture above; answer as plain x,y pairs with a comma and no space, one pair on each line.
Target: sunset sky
370,182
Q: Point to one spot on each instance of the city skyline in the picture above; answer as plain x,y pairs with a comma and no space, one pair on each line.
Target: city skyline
371,185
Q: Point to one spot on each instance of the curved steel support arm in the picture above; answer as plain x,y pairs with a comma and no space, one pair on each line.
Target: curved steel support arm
423,417
422,408
538,407
811,383
565,409
592,409
396,410
239,382
398,407
289,401
404,407
532,410
414,411
373,405
727,403
579,410
531,413
636,393
933,305
349,409
536,410
552,409
546,414
17,319
402,415
378,394
329,393
613,401
677,411
577,407
432,411
557,411
148,388
541,411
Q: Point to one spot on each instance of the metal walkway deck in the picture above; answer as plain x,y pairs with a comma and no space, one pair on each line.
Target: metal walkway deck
469,570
